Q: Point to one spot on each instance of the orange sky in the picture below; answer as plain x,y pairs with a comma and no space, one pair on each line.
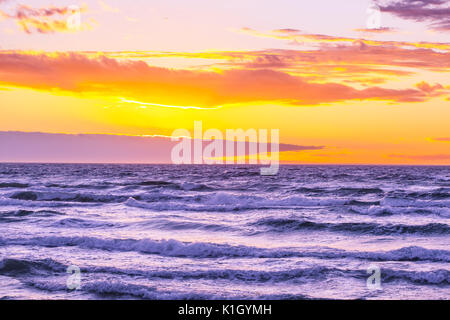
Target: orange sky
371,96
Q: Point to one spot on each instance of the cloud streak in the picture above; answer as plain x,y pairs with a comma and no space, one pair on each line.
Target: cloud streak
365,65
137,81
299,38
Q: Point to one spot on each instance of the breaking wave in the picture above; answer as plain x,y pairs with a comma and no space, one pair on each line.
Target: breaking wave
174,248
288,225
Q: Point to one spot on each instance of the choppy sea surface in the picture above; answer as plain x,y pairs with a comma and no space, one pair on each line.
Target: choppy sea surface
223,232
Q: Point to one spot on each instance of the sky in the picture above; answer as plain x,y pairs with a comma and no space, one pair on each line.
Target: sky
354,82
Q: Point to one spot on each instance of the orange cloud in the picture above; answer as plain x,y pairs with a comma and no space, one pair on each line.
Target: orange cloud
136,80
424,86
353,54
362,64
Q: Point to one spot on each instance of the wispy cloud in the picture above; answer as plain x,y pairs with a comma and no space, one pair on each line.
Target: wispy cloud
299,38
286,31
45,20
106,7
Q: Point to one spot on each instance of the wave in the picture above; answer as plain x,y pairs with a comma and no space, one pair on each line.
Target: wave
218,201
17,267
240,172
66,196
121,290
27,213
430,193
13,185
83,223
398,202
225,202
186,225
413,253
186,186
288,225
388,210
174,248
171,248
435,277
189,186
21,268
223,198
305,274
104,185
23,215
299,275
42,204
344,191
154,183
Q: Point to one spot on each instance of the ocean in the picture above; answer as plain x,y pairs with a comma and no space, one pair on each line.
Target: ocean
82,231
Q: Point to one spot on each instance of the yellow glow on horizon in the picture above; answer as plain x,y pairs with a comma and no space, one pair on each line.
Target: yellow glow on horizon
372,134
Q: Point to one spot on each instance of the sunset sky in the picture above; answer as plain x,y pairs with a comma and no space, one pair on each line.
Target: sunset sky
312,69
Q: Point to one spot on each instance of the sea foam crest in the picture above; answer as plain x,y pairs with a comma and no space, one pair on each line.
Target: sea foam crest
212,250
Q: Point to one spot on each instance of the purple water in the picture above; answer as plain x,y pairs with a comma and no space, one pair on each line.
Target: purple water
223,232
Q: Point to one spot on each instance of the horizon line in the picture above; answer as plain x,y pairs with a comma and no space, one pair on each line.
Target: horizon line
232,164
